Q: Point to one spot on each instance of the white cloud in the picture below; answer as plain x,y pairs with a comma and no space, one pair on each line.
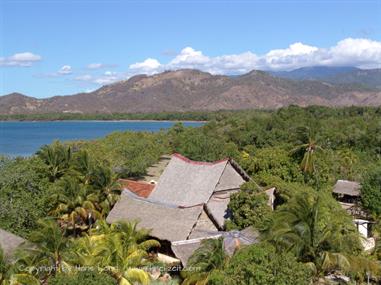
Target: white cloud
149,66
24,59
363,53
99,65
65,70
107,77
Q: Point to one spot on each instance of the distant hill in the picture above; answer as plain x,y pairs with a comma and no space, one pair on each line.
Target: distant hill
189,90
370,78
314,72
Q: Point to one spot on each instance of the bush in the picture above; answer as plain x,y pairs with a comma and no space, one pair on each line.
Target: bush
261,265
82,278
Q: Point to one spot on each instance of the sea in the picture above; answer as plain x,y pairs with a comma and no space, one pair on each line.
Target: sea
26,137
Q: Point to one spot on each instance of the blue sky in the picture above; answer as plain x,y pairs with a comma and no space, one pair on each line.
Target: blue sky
63,47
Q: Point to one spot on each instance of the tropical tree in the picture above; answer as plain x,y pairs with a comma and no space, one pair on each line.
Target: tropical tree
76,207
309,149
119,249
57,157
209,257
48,250
311,227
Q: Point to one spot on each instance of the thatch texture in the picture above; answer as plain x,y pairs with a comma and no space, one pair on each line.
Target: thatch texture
217,207
230,179
187,183
203,228
9,242
232,241
166,223
189,202
345,187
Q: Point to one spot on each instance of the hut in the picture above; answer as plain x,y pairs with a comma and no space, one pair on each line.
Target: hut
188,202
348,194
347,191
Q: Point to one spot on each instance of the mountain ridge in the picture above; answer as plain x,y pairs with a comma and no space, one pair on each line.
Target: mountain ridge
194,90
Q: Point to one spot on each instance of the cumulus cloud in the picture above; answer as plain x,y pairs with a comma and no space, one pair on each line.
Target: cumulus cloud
149,66
24,59
65,70
363,53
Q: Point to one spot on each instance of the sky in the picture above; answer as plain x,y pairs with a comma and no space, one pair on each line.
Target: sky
61,47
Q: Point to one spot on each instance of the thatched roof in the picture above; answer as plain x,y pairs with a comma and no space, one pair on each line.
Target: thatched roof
185,182
190,199
166,222
232,241
9,242
345,187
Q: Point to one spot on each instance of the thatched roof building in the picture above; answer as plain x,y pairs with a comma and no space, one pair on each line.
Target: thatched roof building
346,187
189,200
232,241
9,242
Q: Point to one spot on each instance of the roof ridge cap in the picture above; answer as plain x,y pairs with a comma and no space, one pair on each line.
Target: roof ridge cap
190,161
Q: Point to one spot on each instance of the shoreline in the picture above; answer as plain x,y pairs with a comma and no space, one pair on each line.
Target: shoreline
101,121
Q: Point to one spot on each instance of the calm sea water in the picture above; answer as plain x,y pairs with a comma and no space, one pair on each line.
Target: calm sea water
25,138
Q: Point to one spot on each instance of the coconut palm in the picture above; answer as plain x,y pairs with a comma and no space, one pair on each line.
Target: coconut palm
105,181
119,249
309,150
48,250
75,207
302,226
57,157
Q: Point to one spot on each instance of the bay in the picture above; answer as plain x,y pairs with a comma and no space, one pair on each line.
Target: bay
25,138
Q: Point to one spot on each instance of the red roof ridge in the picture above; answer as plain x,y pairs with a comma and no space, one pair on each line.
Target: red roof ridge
187,160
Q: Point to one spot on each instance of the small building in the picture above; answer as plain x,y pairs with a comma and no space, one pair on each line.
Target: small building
188,202
348,194
347,191
9,242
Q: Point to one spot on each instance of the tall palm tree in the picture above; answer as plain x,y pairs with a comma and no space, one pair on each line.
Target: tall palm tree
309,149
57,157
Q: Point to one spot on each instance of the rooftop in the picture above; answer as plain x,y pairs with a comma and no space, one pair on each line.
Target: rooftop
346,187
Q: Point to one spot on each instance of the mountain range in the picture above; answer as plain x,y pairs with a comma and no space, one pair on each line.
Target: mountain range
189,90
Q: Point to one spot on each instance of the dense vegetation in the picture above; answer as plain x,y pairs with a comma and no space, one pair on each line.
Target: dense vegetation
191,116
300,151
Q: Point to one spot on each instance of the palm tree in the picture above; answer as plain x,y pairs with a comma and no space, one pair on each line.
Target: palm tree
76,207
84,166
57,157
105,183
210,256
119,248
303,227
9,275
49,247
309,149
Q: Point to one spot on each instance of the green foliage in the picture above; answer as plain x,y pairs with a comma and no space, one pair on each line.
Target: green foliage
129,153
57,158
262,265
249,207
24,195
81,278
371,190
